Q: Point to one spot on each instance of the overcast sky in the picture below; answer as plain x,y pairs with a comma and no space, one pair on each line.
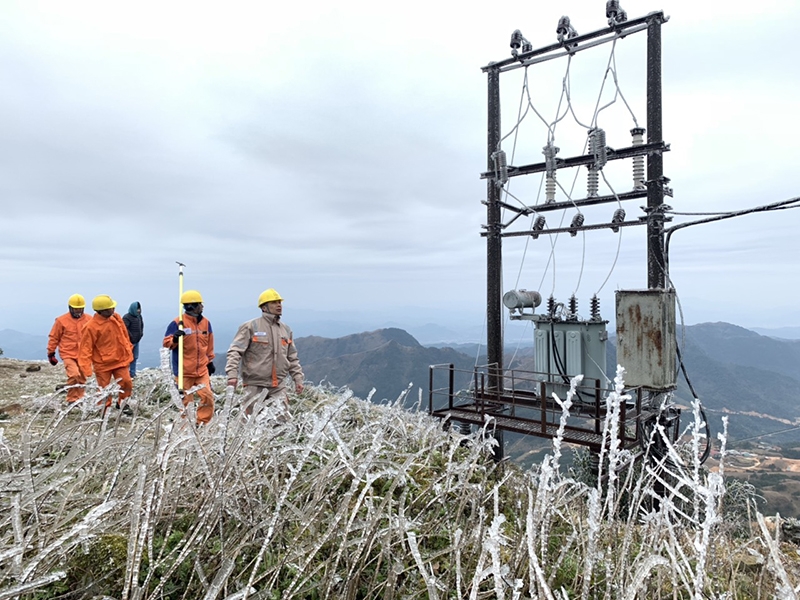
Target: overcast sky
333,151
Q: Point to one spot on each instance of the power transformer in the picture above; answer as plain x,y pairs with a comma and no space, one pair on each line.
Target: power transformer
565,345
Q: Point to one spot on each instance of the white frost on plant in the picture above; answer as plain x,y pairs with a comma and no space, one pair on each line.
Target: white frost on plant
722,436
490,545
564,418
80,531
593,523
611,441
356,498
429,578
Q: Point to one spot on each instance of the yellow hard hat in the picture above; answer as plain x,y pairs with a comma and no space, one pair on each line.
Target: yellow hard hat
269,295
191,297
76,301
102,302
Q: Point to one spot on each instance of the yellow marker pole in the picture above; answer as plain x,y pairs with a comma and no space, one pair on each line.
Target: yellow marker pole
180,327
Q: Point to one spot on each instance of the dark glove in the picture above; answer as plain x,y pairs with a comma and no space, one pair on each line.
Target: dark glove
211,368
52,358
176,335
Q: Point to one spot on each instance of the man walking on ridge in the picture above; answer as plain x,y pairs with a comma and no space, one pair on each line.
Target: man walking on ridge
198,353
106,348
135,326
264,348
65,337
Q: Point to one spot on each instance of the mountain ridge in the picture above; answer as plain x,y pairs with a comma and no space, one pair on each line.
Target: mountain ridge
732,369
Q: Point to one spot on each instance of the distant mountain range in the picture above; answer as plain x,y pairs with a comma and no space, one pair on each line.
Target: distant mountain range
387,360
787,333
755,378
734,369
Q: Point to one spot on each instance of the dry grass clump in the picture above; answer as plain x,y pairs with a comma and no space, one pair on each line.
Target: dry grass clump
346,500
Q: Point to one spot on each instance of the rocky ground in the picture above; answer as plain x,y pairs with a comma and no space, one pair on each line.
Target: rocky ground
21,380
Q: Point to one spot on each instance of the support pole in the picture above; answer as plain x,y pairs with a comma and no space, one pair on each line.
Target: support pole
494,249
656,267
656,264
494,256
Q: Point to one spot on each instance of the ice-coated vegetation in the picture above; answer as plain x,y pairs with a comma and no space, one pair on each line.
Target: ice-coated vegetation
350,499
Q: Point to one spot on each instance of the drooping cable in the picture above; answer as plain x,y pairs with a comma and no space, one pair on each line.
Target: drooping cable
565,83
619,237
598,140
519,343
682,367
551,135
612,68
565,106
781,205
707,450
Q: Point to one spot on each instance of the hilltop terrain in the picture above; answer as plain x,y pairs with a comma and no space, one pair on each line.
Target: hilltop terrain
349,499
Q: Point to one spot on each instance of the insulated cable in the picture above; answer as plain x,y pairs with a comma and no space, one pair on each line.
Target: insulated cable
781,205
619,241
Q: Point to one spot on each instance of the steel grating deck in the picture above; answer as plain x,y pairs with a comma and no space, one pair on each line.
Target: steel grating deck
474,415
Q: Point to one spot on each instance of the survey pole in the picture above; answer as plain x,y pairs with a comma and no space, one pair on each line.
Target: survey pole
180,326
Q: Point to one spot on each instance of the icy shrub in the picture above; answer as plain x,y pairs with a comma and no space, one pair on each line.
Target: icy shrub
348,499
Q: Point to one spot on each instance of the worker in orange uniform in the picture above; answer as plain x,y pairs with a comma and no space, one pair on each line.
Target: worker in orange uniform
106,348
198,353
64,337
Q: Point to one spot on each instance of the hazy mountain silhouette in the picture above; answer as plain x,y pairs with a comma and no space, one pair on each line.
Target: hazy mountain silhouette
23,346
732,369
734,345
388,360
314,347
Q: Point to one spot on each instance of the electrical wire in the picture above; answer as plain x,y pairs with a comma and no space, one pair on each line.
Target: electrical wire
597,109
551,127
506,190
707,450
727,213
682,368
761,435
550,137
527,105
781,205
619,240
610,67
621,95
712,217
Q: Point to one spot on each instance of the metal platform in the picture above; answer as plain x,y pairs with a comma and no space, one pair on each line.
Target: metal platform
532,411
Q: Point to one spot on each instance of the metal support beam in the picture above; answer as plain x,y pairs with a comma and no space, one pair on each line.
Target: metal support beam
624,27
494,256
656,271
494,248
584,160
557,230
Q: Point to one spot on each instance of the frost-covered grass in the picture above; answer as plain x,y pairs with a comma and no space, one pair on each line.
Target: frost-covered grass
351,500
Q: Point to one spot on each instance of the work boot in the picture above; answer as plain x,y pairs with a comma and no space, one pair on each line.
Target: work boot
126,410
